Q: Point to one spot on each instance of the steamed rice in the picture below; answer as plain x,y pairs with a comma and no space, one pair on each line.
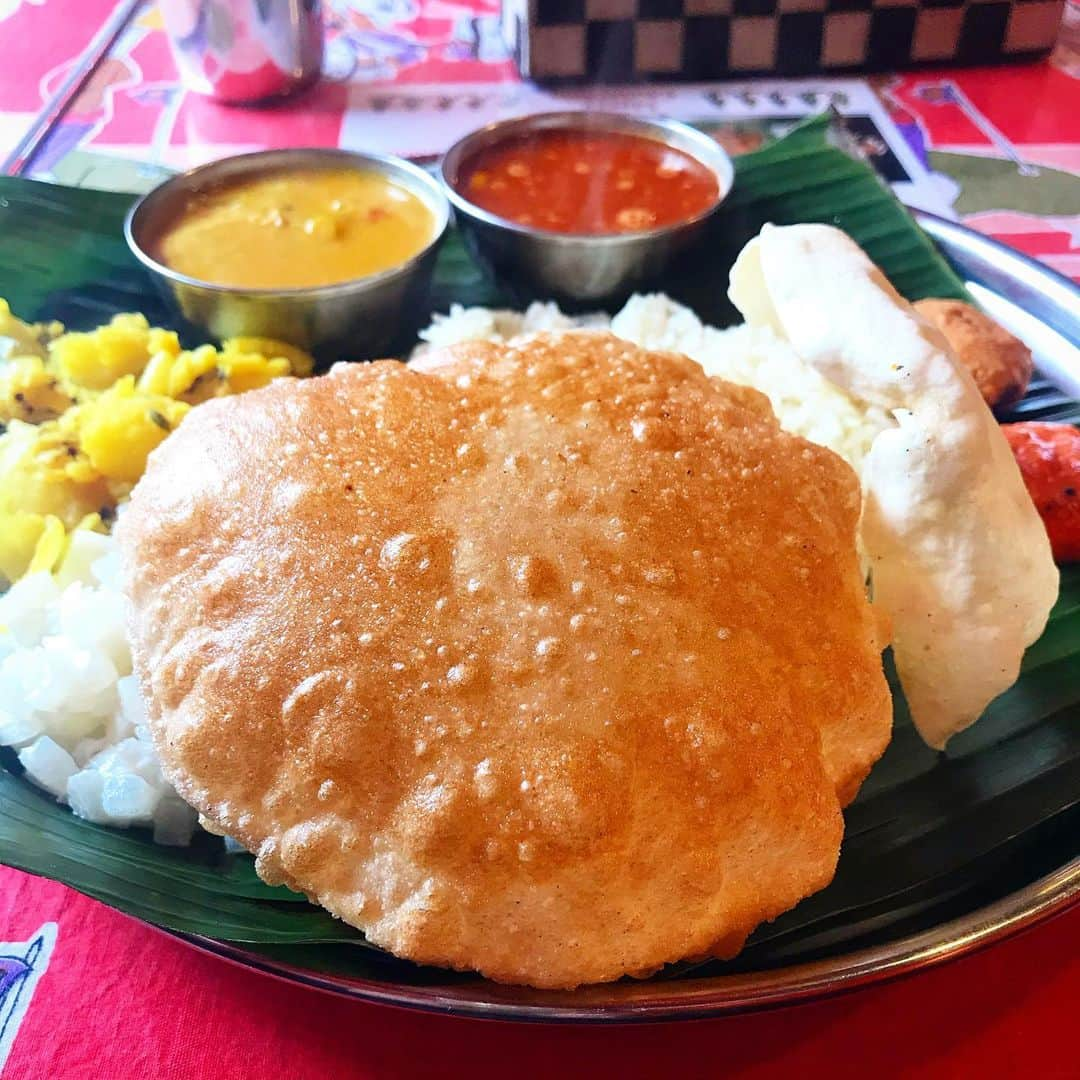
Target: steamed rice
71,707
804,401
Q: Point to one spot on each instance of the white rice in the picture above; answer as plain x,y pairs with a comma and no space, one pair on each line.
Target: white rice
69,703
804,401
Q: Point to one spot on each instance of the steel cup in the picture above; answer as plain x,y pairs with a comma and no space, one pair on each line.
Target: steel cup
245,50
579,270
353,320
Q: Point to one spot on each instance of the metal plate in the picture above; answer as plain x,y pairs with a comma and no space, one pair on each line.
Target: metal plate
1044,309
690,999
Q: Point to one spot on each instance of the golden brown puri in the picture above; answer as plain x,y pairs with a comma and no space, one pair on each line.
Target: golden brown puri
547,661
1000,363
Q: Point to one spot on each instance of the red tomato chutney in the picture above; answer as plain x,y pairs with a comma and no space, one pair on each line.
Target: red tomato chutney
587,182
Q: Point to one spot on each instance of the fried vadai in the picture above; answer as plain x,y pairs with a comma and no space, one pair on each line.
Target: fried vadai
999,362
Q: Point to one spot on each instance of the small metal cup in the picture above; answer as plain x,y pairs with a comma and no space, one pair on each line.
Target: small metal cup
590,270
354,320
245,50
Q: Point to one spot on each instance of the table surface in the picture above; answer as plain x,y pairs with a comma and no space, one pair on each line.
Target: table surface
121,1000
86,992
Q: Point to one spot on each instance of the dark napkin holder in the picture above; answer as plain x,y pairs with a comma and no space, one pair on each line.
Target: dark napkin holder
623,41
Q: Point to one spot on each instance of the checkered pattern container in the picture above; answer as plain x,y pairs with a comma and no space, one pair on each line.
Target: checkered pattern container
618,41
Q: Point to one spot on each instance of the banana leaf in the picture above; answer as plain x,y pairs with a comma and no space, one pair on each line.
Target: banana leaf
930,836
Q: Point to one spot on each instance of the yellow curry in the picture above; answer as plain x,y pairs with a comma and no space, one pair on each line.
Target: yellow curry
297,228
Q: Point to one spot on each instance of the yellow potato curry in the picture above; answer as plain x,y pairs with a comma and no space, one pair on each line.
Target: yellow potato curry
297,228
80,413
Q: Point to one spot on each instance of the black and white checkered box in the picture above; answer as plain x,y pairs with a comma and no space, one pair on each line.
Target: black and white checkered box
615,41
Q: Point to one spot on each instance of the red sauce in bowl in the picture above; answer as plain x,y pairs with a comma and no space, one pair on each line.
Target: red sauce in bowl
588,183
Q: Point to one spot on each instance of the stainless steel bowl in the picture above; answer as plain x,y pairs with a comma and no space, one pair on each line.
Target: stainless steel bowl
356,319
575,269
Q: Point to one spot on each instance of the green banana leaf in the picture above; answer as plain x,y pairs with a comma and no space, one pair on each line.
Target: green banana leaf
930,836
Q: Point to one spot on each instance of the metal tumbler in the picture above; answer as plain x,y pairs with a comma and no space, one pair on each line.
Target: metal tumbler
245,50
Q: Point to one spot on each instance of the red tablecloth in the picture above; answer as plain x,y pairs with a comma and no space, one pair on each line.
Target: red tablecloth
120,1000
